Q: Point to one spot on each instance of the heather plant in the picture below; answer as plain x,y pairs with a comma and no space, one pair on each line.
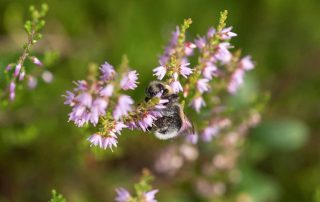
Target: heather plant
143,190
100,100
209,87
21,73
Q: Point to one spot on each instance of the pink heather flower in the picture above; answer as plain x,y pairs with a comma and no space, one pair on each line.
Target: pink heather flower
200,42
175,35
36,61
85,99
107,91
197,103
223,54
9,67
160,72
192,138
95,140
155,113
109,142
129,81
209,71
176,86
122,195
202,85
79,115
17,70
236,80
227,34
69,99
210,132
160,104
107,72
118,127
150,196
98,108
21,76
123,106
246,63
132,125
85,108
32,82
146,121
188,48
82,85
12,88
163,59
185,71
211,32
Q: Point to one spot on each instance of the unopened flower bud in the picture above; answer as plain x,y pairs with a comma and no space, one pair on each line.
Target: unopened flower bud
12,88
21,76
36,61
17,70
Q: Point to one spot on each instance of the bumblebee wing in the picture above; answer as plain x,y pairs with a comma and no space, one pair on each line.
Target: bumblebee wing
187,126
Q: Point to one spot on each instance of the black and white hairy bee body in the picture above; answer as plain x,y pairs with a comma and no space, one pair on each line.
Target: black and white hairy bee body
173,121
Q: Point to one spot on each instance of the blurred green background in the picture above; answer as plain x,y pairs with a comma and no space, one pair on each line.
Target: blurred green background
40,150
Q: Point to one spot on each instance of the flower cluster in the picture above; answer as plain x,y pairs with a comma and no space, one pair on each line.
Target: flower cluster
108,140
91,100
174,62
215,56
17,72
100,100
214,52
144,191
215,60
236,80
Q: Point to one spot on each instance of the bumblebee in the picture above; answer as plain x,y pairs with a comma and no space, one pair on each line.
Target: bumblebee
173,121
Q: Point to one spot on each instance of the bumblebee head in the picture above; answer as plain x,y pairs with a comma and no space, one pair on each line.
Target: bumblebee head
157,88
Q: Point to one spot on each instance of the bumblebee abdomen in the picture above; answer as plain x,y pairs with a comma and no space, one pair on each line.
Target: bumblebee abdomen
169,124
